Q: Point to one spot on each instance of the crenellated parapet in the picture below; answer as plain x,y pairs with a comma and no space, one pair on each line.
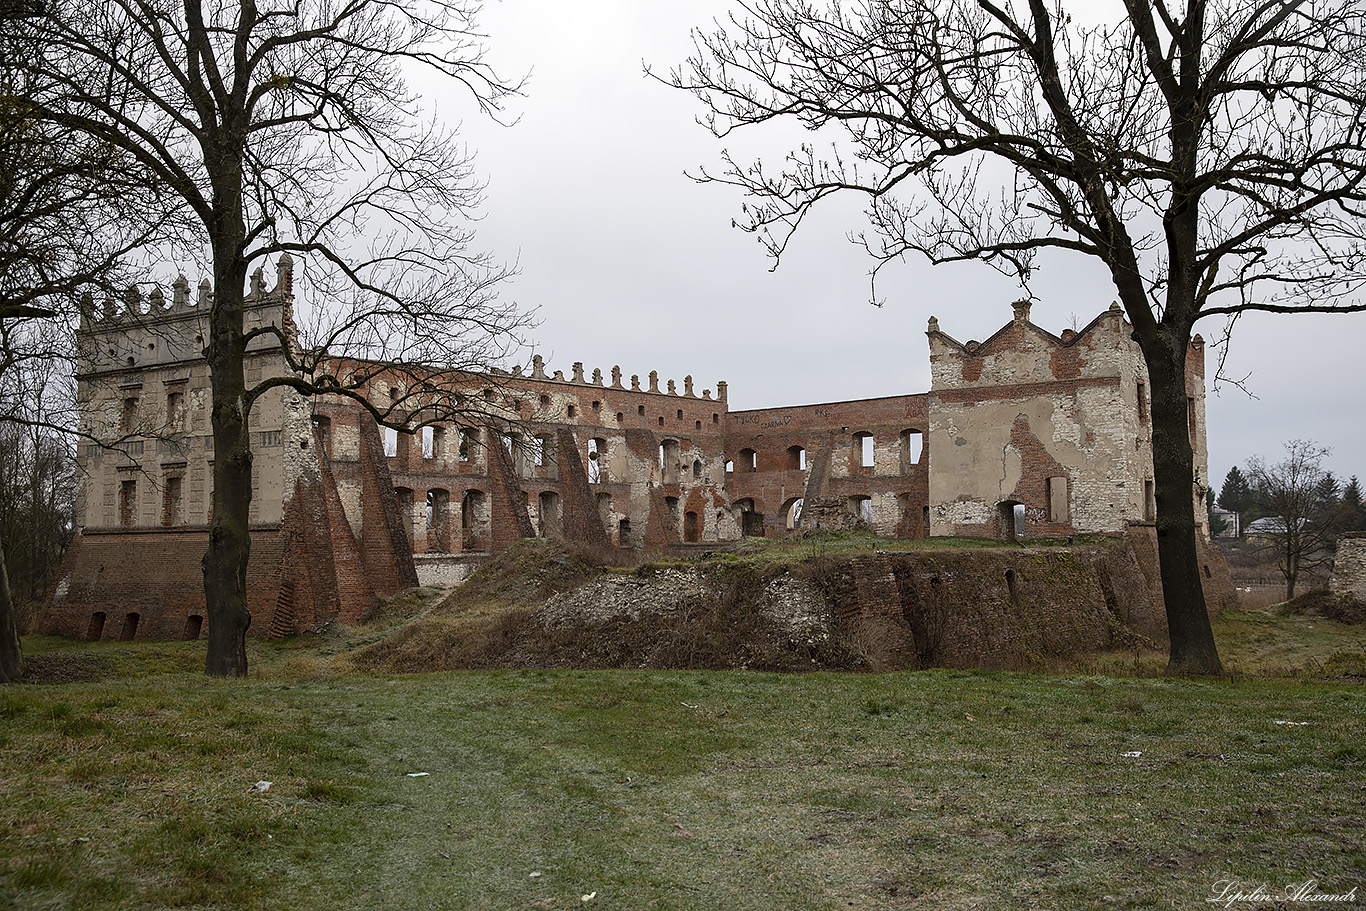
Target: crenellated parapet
577,378
139,330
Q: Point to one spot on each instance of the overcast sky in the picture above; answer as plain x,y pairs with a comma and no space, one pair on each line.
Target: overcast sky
632,263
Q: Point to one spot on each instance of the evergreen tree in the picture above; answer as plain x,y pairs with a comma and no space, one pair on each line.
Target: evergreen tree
1237,495
1353,513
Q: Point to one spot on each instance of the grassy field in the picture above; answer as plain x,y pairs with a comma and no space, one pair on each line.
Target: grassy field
670,790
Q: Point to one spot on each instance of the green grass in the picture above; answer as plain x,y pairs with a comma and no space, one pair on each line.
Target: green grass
666,790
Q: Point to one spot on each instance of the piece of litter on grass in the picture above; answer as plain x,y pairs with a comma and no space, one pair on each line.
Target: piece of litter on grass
1293,724
969,717
1134,754
690,705
535,874
589,897
418,774
259,788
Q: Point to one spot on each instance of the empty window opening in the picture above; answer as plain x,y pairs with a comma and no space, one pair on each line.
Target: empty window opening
624,533
715,418
170,502
96,628
1143,402
680,414
792,515
428,443
545,401
697,468
128,416
1207,573
730,466
669,456
1190,416
605,509
1149,502
671,504
1010,585
405,498
597,406
488,395
570,410
1012,521
549,504
438,507
175,410
640,410
128,502
697,425
692,527
193,624
390,441
796,459
620,417
661,420
912,445
393,394
473,520
863,449
322,432
862,506
749,460
130,627
597,461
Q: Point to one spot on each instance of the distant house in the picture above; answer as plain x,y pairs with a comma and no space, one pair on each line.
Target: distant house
1268,527
1232,522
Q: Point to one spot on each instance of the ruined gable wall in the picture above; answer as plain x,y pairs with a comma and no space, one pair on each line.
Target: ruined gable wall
1009,414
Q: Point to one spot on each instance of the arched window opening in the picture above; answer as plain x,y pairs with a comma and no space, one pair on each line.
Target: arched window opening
130,627
912,445
692,527
597,461
96,628
193,625
390,441
796,458
792,513
549,507
863,451
697,468
749,460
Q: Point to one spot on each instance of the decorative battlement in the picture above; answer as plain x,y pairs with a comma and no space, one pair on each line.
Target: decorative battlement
576,378
142,331
135,307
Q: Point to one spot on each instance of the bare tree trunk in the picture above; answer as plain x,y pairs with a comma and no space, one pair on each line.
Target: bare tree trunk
225,562
1192,639
11,657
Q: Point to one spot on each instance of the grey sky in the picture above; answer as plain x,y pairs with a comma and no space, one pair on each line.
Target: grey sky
631,263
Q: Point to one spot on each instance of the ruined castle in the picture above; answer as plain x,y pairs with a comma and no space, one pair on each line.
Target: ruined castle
1025,435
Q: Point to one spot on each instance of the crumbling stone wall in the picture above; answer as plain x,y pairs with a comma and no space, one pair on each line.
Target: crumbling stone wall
1349,565
1056,427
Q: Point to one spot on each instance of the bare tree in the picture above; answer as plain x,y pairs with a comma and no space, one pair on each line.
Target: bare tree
1212,155
1300,499
72,210
286,126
